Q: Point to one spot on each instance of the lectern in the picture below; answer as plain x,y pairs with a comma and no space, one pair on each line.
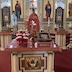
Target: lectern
40,59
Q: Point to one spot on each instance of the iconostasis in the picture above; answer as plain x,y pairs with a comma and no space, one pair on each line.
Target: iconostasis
26,7
39,5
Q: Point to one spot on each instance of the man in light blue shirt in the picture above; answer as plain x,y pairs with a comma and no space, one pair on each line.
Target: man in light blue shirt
14,22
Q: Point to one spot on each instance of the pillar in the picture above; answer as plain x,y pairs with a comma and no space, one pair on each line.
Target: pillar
50,62
54,14
65,12
14,63
0,17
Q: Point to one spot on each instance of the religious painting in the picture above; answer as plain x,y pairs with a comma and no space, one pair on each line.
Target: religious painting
59,16
48,9
43,36
59,12
5,10
5,16
30,4
18,8
69,9
32,63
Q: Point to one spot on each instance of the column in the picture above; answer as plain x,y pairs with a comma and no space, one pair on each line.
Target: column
11,7
54,14
53,62
0,17
24,10
50,62
40,11
14,63
65,12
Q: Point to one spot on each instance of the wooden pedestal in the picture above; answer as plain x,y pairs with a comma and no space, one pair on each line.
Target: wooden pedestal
6,38
60,38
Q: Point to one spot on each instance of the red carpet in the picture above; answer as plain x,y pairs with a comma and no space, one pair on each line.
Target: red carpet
63,61
5,62
62,69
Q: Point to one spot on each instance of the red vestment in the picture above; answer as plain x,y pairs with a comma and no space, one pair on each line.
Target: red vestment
33,17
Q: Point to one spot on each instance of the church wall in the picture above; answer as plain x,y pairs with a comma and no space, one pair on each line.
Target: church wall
27,9
44,3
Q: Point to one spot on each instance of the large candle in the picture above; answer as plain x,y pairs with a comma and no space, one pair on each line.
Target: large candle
48,21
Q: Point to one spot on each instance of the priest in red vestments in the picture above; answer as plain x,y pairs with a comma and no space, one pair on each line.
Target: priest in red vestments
33,22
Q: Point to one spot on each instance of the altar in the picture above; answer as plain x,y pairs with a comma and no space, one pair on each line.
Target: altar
40,59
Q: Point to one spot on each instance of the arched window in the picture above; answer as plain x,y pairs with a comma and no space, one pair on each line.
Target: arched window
5,3
29,5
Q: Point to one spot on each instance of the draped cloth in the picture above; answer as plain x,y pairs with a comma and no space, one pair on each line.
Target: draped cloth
33,17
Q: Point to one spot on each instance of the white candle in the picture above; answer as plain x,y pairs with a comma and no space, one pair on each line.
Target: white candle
36,44
48,21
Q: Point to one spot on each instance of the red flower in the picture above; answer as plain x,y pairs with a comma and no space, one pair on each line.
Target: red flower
22,36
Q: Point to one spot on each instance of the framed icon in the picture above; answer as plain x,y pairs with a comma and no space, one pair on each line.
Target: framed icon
17,5
43,36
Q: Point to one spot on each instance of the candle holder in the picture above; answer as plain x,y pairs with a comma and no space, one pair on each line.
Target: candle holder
48,21
49,29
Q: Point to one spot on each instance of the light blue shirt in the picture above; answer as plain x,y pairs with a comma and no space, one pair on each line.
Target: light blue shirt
14,21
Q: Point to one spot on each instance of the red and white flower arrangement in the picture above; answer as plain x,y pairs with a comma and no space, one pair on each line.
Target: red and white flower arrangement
22,36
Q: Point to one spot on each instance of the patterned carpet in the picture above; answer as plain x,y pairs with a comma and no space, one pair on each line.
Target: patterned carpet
63,61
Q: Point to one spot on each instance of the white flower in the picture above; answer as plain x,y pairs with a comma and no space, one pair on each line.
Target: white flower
25,37
70,25
19,34
18,37
24,34
69,45
27,34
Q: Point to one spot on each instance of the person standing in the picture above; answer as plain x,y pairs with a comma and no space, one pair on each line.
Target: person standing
18,10
33,22
48,10
14,22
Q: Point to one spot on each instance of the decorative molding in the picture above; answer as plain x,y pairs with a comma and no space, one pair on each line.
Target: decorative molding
32,63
